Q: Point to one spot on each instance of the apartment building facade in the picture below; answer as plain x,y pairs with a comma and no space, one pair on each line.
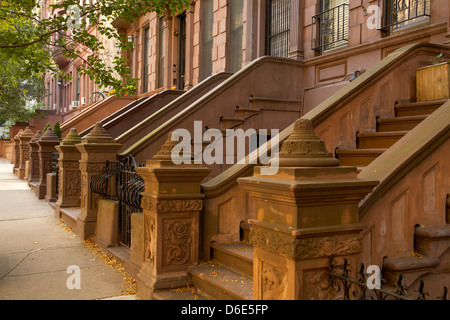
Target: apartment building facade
335,39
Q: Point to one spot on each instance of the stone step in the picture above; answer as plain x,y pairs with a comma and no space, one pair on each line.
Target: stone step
418,108
231,122
432,241
235,256
411,268
399,123
245,113
357,157
245,232
379,140
274,103
214,281
179,294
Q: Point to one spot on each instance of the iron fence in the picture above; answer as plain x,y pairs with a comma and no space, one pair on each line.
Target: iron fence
120,182
356,289
331,28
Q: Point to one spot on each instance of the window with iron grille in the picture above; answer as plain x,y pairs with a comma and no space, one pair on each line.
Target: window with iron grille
403,13
331,25
278,27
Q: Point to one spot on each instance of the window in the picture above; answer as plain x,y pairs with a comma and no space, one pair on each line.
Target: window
236,8
145,58
161,51
404,13
207,12
278,27
331,25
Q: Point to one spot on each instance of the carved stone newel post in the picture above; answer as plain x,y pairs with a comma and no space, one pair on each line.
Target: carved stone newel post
46,143
306,212
16,152
34,159
24,151
96,149
172,203
69,190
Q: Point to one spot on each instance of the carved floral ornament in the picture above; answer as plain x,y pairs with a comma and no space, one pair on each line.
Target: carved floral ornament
165,206
305,248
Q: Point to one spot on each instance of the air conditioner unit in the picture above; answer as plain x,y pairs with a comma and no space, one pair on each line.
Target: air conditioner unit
75,104
83,101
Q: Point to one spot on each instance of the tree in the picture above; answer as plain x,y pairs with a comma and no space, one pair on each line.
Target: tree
29,33
57,129
48,125
20,93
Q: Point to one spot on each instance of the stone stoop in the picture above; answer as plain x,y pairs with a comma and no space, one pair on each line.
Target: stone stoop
430,245
228,276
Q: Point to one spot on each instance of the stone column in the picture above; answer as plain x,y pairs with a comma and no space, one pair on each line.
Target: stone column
16,152
172,203
96,148
297,31
168,62
46,143
24,151
34,158
69,185
307,212
189,74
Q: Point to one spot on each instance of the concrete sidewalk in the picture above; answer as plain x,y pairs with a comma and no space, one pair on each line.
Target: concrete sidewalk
35,251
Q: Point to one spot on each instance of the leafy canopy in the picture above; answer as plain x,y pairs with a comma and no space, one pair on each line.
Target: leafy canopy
29,34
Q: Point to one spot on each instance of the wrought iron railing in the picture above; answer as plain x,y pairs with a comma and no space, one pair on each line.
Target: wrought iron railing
55,170
330,28
131,185
105,184
356,289
401,13
120,182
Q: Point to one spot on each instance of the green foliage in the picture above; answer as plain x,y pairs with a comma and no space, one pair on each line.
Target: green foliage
48,125
57,129
27,40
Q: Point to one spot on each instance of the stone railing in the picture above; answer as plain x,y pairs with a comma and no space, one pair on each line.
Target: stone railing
336,121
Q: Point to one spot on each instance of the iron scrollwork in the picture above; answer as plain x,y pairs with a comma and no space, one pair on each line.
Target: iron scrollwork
356,289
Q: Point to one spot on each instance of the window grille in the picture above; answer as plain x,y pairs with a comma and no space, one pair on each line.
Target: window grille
278,28
331,26
403,13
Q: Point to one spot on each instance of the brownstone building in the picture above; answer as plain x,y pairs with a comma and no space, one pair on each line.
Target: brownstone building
362,173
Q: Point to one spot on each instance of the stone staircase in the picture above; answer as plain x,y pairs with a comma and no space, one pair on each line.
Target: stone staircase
429,260
243,116
227,276
371,145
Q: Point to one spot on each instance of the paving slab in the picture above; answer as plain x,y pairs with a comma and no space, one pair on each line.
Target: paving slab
39,258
